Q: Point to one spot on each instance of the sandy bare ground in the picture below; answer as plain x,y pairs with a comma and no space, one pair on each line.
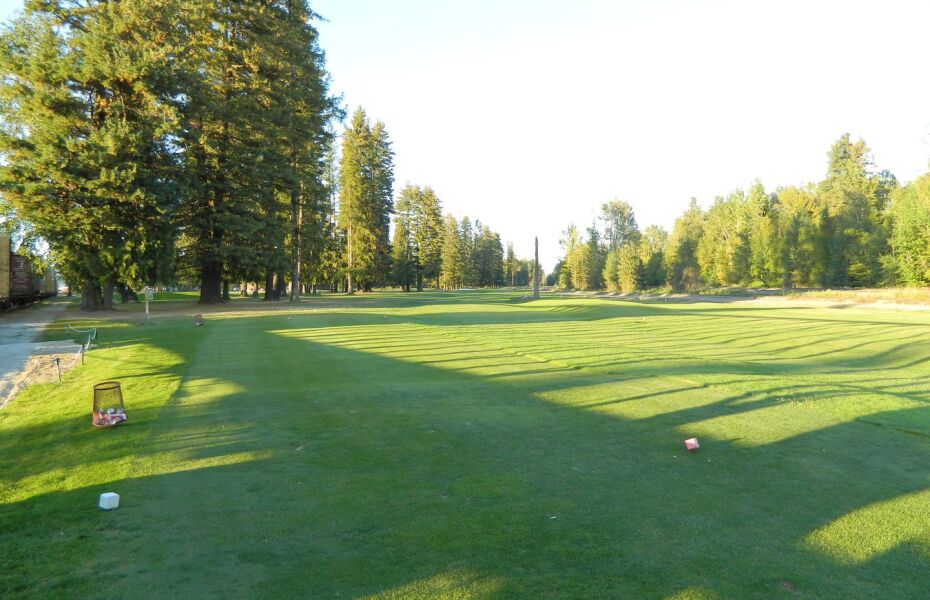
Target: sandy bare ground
760,298
771,299
22,359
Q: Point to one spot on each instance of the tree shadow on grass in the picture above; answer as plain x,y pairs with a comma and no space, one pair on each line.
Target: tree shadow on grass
364,474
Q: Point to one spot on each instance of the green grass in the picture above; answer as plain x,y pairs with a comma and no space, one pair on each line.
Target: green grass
463,445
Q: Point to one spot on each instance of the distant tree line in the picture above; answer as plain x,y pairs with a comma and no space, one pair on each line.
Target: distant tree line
444,251
855,228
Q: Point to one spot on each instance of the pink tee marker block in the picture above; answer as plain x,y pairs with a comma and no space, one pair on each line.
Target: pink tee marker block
692,444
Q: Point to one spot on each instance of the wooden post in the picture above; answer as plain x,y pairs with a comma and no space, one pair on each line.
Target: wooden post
536,271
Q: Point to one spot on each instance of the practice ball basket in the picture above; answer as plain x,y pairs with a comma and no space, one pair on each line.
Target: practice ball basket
108,404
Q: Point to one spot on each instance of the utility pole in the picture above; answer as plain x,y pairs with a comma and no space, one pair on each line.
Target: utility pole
536,271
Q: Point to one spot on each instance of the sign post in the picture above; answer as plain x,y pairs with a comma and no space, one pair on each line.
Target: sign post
536,270
149,295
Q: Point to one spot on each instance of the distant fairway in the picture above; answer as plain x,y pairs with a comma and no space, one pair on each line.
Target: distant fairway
467,445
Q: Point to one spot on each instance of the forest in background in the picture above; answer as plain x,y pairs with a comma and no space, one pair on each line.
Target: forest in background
856,228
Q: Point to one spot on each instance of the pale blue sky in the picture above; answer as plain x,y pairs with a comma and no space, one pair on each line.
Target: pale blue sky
530,114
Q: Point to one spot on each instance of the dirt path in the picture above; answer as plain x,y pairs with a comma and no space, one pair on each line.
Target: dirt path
19,330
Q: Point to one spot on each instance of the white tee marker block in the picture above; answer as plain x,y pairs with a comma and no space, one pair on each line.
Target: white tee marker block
692,444
109,500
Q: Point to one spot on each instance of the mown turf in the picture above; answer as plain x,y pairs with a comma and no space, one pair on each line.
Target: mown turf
469,446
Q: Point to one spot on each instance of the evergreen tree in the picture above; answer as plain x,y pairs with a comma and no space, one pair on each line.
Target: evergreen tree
365,201
90,105
595,259
611,274
468,267
852,206
762,211
402,259
451,274
403,253
427,230
489,258
511,265
383,183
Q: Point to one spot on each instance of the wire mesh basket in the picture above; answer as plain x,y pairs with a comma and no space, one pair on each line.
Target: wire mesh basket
108,404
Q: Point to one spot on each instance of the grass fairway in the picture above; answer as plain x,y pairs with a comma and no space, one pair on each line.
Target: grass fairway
465,445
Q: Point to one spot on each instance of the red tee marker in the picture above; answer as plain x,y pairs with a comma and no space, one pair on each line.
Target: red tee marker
692,444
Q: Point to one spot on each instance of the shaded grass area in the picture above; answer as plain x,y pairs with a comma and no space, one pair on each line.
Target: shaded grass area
462,445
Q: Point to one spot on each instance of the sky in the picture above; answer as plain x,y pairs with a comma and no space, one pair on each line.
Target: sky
529,114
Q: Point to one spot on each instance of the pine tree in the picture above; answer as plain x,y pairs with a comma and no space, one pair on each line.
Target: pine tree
428,236
611,273
403,256
365,201
467,253
511,265
852,203
382,160
595,254
451,276
90,109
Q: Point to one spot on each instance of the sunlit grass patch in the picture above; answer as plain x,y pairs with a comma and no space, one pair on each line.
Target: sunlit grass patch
863,534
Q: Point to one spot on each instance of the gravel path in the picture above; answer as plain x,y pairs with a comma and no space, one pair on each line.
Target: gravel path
18,332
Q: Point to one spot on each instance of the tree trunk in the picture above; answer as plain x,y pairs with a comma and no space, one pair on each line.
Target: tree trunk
536,271
125,294
90,296
108,286
269,286
108,289
211,275
244,289
226,297
419,281
349,288
296,218
280,286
